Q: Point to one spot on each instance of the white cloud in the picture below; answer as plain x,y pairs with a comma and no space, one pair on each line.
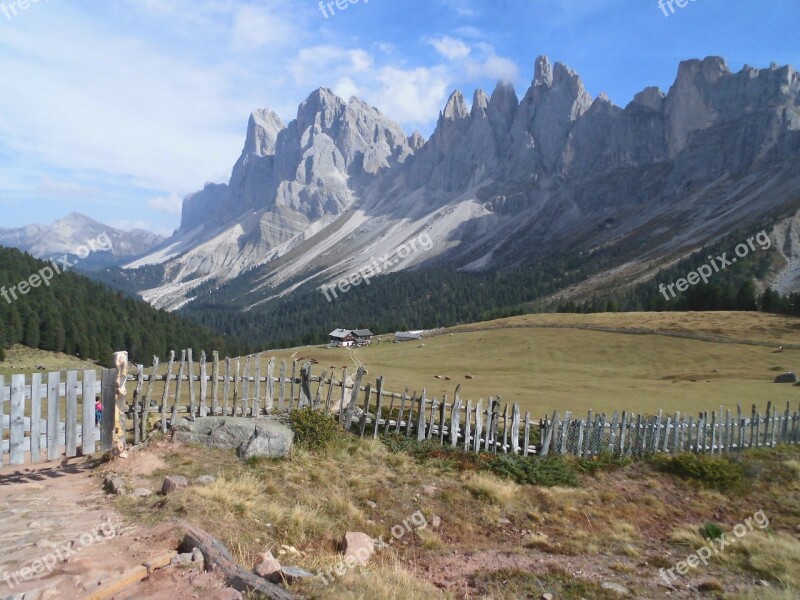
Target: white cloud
254,27
450,48
172,204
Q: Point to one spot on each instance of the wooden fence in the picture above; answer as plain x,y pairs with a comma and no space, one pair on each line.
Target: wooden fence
253,386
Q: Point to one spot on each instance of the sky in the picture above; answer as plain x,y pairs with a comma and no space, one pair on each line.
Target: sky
118,109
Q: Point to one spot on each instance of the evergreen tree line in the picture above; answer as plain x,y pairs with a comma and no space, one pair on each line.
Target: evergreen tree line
80,317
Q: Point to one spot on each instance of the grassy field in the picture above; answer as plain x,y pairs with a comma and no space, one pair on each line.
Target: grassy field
572,369
21,359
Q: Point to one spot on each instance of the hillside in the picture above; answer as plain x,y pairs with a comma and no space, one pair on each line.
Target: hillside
75,316
553,362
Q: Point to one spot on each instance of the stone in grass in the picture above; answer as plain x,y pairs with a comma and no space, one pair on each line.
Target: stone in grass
267,566
786,378
359,546
293,574
616,588
173,483
205,480
116,485
198,558
141,493
710,584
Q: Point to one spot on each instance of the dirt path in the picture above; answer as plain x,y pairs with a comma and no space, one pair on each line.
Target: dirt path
60,537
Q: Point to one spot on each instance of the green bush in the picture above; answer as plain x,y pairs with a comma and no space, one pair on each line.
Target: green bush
313,430
524,470
718,473
711,531
605,461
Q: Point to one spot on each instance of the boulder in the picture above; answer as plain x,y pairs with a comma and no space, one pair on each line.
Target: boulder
786,378
359,546
710,584
267,566
260,437
616,588
173,483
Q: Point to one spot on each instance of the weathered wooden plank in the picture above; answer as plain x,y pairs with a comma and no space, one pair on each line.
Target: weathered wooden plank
565,424
526,447
164,395
623,433
107,423
713,431
318,394
657,432
442,411
431,420
410,420
505,429
178,388
304,393
88,426
282,387
292,385
421,418
343,402
71,430
148,399
257,394
237,388
387,422
351,407
245,401
478,425
215,368
192,397
203,410
362,421
226,386
329,397
53,409
136,407
515,422
17,420
455,420
379,401
270,400
36,418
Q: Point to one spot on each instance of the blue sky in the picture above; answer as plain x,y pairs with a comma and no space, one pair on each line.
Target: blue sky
117,109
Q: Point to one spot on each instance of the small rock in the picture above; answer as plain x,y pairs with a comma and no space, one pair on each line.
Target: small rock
172,483
547,596
786,378
616,588
763,583
503,521
436,521
288,550
141,493
197,557
372,504
266,565
710,584
358,545
430,490
205,480
116,485
182,559
292,574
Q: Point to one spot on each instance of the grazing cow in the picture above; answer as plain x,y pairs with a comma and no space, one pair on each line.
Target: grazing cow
468,377
437,376
447,378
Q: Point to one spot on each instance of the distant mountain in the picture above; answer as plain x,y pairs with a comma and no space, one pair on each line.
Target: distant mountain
500,185
85,241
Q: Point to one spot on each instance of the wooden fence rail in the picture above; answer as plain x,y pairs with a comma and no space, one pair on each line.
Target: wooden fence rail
254,386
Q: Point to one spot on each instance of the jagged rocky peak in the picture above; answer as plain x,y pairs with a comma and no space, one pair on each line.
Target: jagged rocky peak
456,107
543,72
479,103
320,108
416,141
650,98
262,132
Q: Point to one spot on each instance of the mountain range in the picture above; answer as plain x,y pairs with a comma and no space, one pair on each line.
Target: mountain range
89,243
503,183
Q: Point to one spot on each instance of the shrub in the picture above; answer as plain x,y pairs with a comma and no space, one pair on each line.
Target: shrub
313,430
717,473
547,472
605,461
711,531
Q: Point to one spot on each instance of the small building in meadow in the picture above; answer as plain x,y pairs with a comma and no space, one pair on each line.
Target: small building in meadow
343,338
363,337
